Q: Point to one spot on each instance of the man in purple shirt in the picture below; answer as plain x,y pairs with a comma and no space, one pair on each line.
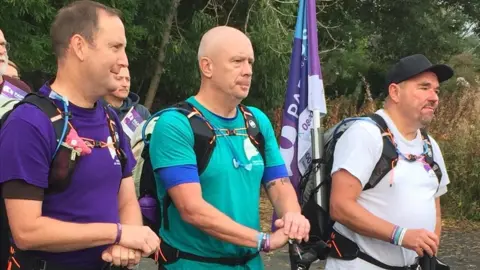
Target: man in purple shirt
97,217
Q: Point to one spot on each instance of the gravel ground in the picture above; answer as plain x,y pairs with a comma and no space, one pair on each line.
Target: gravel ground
460,249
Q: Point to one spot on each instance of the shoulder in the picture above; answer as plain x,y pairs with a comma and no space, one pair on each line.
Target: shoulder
434,142
363,130
261,117
259,114
437,152
172,117
28,123
171,123
363,138
104,109
142,110
28,114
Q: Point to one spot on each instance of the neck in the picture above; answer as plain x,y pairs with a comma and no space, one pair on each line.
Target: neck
217,102
113,101
403,125
73,88
1,80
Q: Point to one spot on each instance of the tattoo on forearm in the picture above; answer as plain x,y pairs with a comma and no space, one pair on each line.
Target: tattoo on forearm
272,183
285,180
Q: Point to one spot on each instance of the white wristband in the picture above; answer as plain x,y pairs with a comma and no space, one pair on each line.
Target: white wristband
400,239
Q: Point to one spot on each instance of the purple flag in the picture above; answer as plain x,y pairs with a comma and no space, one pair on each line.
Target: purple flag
304,95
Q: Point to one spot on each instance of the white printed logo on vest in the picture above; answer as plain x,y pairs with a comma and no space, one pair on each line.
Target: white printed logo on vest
252,124
251,151
113,152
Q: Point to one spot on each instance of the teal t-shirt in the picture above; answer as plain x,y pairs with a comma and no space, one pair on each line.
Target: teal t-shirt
233,191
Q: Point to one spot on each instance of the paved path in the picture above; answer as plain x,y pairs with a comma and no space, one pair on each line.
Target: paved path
460,250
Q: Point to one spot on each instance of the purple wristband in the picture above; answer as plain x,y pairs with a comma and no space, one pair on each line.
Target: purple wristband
119,233
267,244
392,237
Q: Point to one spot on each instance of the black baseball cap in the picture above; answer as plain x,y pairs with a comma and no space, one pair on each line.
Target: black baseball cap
413,65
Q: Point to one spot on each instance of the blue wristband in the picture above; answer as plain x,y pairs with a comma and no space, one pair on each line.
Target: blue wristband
397,235
259,241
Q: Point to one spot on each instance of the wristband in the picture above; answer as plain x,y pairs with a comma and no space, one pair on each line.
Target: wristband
395,234
266,243
400,239
260,240
392,237
119,234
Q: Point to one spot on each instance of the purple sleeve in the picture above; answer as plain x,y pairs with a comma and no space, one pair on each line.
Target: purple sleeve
29,139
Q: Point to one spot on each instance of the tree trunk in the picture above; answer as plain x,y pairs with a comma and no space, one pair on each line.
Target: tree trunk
152,89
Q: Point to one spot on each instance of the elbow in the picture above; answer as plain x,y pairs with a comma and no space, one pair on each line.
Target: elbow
25,235
23,240
191,213
338,210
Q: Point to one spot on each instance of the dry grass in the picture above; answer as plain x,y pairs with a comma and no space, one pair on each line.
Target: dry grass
266,212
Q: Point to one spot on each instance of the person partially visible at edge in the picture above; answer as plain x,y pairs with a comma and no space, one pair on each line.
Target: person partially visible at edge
12,70
409,195
5,70
216,214
76,228
122,100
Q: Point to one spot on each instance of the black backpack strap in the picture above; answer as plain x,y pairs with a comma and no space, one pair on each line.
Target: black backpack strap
253,130
429,155
113,129
64,160
46,105
203,132
204,143
389,157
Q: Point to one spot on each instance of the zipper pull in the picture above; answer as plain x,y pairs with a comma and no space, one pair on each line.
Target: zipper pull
74,154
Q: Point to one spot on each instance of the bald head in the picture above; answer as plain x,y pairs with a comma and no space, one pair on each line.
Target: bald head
219,38
225,59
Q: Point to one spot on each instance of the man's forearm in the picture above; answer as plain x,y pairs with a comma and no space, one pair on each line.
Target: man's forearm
283,196
438,227
358,219
129,208
47,234
438,224
130,213
210,220
286,202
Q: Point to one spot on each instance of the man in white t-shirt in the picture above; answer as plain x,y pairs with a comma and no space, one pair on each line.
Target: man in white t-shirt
399,218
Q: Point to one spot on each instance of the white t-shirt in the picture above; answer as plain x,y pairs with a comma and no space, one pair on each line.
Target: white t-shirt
408,203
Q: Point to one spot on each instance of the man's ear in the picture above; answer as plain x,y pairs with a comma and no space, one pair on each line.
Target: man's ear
206,66
394,92
79,46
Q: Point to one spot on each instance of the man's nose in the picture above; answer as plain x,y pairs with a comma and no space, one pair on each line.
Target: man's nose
3,49
433,97
247,69
123,59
